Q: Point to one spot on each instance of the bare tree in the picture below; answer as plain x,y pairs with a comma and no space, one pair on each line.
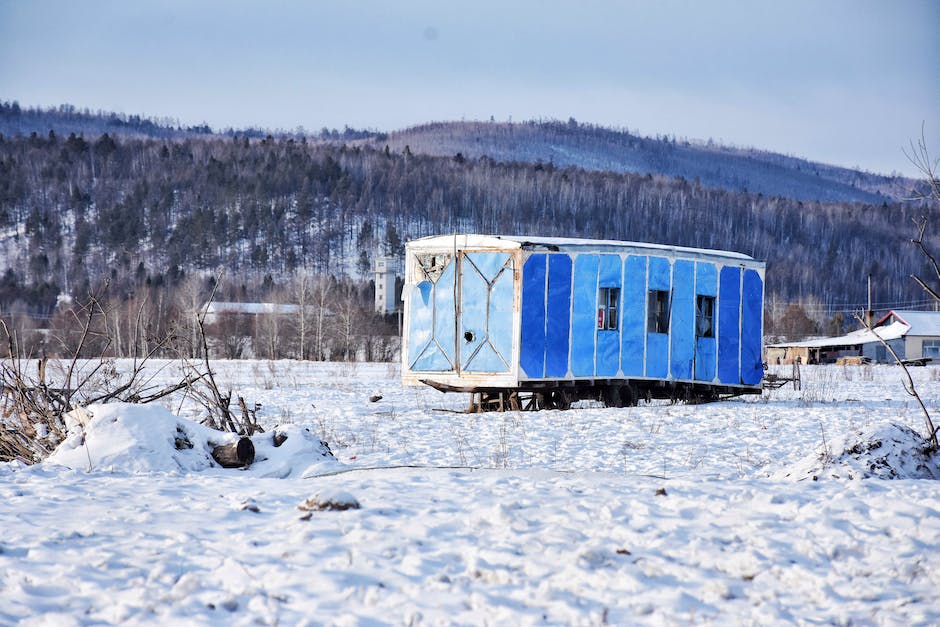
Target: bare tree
270,328
909,386
35,394
303,288
919,156
189,299
323,289
231,332
347,320
929,191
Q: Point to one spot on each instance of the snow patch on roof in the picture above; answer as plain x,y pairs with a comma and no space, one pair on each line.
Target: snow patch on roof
921,322
511,242
893,331
249,308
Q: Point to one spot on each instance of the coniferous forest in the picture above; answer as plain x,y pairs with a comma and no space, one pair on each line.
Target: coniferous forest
156,218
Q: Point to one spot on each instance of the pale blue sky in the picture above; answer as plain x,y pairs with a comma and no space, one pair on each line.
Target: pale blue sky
842,81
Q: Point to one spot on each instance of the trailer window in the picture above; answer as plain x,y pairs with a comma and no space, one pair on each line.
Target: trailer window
431,266
608,300
705,316
657,316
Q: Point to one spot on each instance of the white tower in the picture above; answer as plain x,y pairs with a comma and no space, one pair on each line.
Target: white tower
386,269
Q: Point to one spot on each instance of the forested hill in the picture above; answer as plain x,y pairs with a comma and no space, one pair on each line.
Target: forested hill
560,144
76,210
597,148
64,120
67,119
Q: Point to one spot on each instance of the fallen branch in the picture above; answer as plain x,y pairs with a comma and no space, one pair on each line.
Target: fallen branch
235,455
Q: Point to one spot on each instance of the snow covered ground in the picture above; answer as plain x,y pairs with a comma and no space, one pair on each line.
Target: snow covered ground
764,510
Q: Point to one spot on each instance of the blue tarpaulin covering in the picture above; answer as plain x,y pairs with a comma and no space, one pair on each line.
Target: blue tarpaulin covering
729,324
706,279
558,316
432,323
752,370
706,348
634,315
422,319
657,344
660,274
473,290
486,313
714,317
532,352
683,319
445,331
499,314
583,322
608,340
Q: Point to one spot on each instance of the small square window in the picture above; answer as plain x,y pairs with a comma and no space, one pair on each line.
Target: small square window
657,315
704,316
931,349
608,308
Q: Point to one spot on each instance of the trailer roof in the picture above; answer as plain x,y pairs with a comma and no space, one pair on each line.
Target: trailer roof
562,243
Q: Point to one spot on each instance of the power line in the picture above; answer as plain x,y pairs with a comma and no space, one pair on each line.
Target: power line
927,304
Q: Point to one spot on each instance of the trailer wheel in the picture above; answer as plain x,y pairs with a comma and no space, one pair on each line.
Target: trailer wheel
541,401
612,396
628,396
559,399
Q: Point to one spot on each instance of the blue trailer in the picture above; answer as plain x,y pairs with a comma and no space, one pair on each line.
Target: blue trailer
534,322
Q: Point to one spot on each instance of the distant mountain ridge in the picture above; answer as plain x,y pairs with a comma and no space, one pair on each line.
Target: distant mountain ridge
17,121
596,148
552,143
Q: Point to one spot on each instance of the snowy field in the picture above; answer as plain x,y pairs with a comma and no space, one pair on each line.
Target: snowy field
754,511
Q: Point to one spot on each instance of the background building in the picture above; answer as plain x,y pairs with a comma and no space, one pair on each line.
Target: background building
386,271
913,335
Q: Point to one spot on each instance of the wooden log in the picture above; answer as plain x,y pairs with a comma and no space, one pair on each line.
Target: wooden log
235,455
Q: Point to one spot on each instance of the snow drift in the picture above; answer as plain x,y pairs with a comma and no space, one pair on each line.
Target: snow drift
883,451
122,437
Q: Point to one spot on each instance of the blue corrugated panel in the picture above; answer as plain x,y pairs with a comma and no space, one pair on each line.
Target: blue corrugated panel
752,370
583,323
706,279
660,272
445,312
729,325
473,290
421,322
558,322
486,313
500,314
608,340
706,348
633,329
657,344
683,319
532,353
488,264
434,311
657,355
